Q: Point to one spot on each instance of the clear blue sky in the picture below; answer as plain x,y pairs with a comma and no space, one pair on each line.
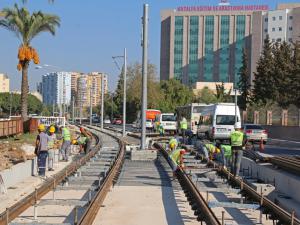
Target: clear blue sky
91,32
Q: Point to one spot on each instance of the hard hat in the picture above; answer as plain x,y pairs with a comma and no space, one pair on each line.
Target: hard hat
41,127
182,151
172,145
81,129
74,142
237,126
52,129
217,150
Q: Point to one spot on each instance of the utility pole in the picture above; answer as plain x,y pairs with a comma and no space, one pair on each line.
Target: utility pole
235,108
10,103
124,93
144,73
102,99
91,106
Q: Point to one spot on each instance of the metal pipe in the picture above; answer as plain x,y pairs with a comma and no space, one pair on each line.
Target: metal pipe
235,108
144,74
124,93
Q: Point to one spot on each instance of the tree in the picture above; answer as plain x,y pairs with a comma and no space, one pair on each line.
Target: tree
264,84
206,96
295,75
8,100
281,74
174,94
221,95
244,85
27,26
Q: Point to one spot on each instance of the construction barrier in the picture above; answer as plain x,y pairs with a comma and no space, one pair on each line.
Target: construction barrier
11,127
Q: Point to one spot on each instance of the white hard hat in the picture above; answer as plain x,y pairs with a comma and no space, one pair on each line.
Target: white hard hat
237,126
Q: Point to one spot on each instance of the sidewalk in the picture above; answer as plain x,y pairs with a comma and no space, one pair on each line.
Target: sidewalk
27,186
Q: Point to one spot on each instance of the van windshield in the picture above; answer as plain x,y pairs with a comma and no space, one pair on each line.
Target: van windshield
225,120
168,118
198,109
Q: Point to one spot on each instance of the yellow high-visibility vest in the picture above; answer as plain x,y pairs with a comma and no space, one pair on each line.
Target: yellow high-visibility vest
237,138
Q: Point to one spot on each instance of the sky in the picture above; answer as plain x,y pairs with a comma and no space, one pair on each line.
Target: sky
91,32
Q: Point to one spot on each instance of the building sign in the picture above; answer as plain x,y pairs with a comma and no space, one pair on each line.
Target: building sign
223,8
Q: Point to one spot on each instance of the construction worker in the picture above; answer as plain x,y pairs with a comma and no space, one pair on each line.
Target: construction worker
226,152
177,158
51,148
161,130
41,149
237,141
65,147
85,139
173,144
183,128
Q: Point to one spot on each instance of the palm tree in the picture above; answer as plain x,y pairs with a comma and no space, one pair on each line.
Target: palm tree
27,26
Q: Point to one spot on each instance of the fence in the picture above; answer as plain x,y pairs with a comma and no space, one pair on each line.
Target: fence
275,116
47,121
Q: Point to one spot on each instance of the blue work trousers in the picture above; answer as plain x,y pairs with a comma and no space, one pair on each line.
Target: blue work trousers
42,157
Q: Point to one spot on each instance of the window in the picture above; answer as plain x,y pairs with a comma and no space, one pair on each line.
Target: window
273,29
266,19
280,28
273,40
290,39
266,30
198,109
291,17
168,118
280,17
273,18
291,28
278,39
225,120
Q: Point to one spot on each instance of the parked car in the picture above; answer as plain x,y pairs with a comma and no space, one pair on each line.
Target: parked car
107,121
149,124
117,121
255,133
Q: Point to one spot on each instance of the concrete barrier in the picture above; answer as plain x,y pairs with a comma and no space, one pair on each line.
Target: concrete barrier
281,132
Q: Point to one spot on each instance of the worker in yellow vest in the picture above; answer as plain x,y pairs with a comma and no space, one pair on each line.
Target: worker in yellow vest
183,128
65,147
177,160
237,142
173,144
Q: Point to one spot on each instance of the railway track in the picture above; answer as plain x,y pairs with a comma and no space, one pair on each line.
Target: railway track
217,197
288,163
74,195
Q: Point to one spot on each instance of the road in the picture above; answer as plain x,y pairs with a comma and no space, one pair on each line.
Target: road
272,149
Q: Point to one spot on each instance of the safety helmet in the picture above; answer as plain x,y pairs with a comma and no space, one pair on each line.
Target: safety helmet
81,129
41,127
74,142
237,126
52,129
217,150
182,151
172,145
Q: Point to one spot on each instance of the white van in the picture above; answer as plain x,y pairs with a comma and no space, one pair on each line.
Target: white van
167,120
217,121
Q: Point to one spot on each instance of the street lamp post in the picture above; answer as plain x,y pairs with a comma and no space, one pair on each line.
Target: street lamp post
144,73
124,87
102,99
91,105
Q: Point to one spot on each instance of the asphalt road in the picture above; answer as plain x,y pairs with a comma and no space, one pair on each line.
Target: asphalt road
272,149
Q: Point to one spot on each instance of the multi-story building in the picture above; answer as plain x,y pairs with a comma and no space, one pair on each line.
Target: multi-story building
74,80
56,88
206,43
89,88
280,24
4,83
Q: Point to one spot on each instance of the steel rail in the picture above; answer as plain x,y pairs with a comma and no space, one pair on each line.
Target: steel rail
280,213
91,212
15,210
199,205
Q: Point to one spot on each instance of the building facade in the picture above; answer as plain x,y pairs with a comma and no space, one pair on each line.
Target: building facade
4,83
89,89
56,88
206,43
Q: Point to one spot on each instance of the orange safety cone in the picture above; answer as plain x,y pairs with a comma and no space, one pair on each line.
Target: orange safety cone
261,145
